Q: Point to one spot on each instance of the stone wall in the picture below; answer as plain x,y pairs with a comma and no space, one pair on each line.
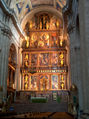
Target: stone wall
79,48
71,15
10,33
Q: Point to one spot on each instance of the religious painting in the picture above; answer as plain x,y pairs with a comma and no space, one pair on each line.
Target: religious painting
33,41
33,59
54,41
54,59
41,43
33,83
44,82
44,59
54,82
44,40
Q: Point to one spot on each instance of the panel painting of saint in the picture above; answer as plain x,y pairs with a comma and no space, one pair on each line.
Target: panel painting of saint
33,59
44,82
44,59
33,83
54,40
54,82
54,59
44,40
33,41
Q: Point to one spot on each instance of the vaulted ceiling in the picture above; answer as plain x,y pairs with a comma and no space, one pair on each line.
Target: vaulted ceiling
23,7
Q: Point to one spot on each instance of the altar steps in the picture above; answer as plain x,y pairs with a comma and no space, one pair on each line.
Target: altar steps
42,115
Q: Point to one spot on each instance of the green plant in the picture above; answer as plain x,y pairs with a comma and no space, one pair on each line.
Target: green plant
58,99
40,100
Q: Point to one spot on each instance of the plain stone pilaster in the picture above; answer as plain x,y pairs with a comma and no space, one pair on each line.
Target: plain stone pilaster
4,62
0,55
72,57
84,45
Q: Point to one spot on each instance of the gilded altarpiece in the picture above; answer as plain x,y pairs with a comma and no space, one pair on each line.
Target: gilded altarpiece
44,64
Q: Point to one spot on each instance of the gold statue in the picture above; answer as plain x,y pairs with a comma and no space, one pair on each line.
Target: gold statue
61,56
62,84
26,57
61,42
26,63
26,86
62,62
26,78
31,25
57,23
40,25
62,77
47,25
27,43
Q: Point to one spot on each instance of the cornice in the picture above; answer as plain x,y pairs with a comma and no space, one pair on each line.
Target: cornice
10,12
5,29
6,32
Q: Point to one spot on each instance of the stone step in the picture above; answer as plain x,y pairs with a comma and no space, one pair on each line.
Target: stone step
40,107
42,115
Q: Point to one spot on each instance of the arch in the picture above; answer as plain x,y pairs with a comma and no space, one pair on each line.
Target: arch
45,8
